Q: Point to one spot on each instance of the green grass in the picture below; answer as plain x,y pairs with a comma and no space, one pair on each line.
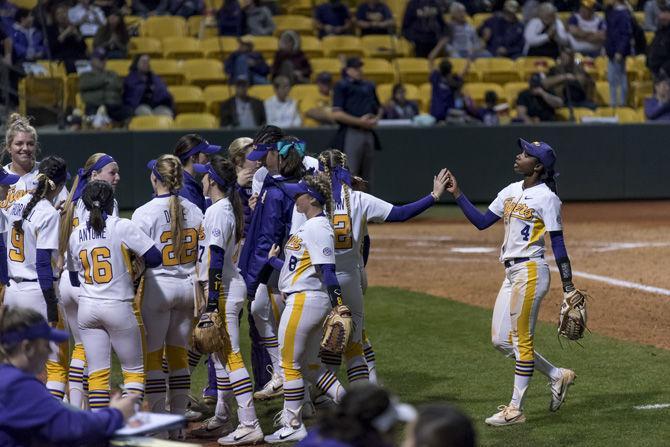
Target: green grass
432,349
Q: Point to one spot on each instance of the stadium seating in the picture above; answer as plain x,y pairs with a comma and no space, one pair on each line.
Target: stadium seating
154,122
187,99
385,46
479,19
261,92
496,69
512,90
330,65
602,93
195,121
384,92
169,70
640,90
218,47
298,23
119,66
164,26
304,91
623,114
333,46
477,91
266,45
182,48
214,95
203,72
412,70
145,45
526,66
378,70
311,46
563,114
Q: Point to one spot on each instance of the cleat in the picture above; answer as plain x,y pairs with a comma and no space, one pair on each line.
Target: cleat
508,415
274,388
287,433
213,428
559,388
243,435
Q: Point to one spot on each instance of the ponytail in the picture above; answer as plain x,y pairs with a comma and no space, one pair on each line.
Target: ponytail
98,197
550,180
226,172
52,174
171,172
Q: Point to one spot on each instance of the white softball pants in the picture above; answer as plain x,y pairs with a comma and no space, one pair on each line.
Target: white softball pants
77,372
267,308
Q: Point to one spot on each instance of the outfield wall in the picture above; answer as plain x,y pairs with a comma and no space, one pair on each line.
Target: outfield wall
596,162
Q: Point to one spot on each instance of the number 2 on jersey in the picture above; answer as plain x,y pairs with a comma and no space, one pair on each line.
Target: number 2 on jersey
525,232
98,268
342,229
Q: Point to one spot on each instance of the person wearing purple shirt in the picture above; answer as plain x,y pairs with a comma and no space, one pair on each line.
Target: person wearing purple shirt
657,108
619,32
503,32
332,18
191,149
247,63
374,17
7,13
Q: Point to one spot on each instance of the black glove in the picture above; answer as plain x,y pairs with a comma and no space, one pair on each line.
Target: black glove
52,305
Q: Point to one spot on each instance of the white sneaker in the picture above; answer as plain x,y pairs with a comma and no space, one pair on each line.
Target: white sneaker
243,435
287,433
559,388
274,388
508,415
213,427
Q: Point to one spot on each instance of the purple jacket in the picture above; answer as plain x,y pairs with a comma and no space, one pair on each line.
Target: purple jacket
30,416
20,44
245,194
135,90
260,67
619,31
656,111
505,34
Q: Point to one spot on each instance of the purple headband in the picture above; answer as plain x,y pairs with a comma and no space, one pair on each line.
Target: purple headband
83,174
38,330
203,147
339,176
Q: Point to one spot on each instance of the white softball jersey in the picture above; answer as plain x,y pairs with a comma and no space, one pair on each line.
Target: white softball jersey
154,219
219,230
527,214
40,231
350,226
81,213
26,185
312,244
103,260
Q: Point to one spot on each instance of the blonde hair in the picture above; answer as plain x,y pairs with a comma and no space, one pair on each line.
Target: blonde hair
172,176
16,124
321,183
331,159
238,150
13,319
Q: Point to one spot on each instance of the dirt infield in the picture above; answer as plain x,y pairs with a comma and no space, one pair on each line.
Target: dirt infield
618,252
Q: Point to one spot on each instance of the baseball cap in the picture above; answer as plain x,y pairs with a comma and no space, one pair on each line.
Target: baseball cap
34,332
511,6
8,179
260,150
324,78
540,150
302,187
354,62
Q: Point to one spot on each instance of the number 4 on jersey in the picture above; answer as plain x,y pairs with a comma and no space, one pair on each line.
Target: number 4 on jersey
525,232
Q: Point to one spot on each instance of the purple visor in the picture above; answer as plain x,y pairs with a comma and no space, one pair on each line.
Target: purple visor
8,179
34,332
209,170
540,150
300,188
203,147
260,151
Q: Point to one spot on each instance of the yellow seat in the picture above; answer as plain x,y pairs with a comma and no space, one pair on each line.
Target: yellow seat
261,92
385,46
639,16
298,23
563,113
298,7
151,122
649,36
145,45
195,121
202,27
334,46
496,69
182,48
512,90
311,46
526,66
53,69
203,72
479,19
640,90
164,26
384,92
187,99
623,114
378,70
477,91
564,15
306,104
303,91
330,65
601,67
119,66
169,70
602,93
89,44
218,47
266,45
41,91
215,95
133,23
412,70
425,93
25,4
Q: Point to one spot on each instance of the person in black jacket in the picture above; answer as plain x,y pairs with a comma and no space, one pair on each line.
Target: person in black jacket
65,41
659,49
242,110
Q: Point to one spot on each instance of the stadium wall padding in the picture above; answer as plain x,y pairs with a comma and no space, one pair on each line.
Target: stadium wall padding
596,162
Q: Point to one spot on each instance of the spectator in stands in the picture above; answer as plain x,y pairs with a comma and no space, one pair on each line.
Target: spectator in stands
113,37
27,41
440,425
462,39
110,6
659,50
545,34
7,13
280,110
587,30
148,8
444,84
399,107
423,25
101,87
290,60
652,9
186,8
618,37
87,17
356,108
374,17
535,104
570,81
144,92
489,113
322,112
503,32
657,108
331,18
230,19
242,110
9,79
65,40
247,63
258,19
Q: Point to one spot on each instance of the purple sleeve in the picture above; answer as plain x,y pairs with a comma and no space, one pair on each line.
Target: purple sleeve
328,275
4,275
45,274
654,109
366,249
74,279
276,263
558,244
406,212
479,220
152,258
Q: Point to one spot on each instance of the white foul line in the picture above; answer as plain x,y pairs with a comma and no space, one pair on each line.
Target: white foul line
619,282
652,407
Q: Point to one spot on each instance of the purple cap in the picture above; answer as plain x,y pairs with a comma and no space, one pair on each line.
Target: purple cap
8,179
260,150
540,150
34,332
300,188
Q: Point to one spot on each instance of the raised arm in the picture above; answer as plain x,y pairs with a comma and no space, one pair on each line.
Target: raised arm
476,217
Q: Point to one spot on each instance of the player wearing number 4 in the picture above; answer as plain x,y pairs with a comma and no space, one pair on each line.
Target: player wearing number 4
98,260
528,208
173,223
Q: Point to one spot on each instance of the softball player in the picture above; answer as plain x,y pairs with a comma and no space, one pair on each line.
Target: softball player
6,179
529,208
169,293
98,167
223,229
192,149
98,258
308,279
33,229
351,212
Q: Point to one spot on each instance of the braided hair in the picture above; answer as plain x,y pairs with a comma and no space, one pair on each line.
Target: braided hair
225,168
329,160
14,319
52,175
268,134
98,197
322,184
172,177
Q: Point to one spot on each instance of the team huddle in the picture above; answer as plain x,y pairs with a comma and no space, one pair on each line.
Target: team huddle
265,224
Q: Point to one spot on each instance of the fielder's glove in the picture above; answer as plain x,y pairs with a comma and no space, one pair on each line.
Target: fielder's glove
572,319
338,328
210,334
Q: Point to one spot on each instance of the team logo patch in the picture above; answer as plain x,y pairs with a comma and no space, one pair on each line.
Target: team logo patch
327,251
294,243
216,232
